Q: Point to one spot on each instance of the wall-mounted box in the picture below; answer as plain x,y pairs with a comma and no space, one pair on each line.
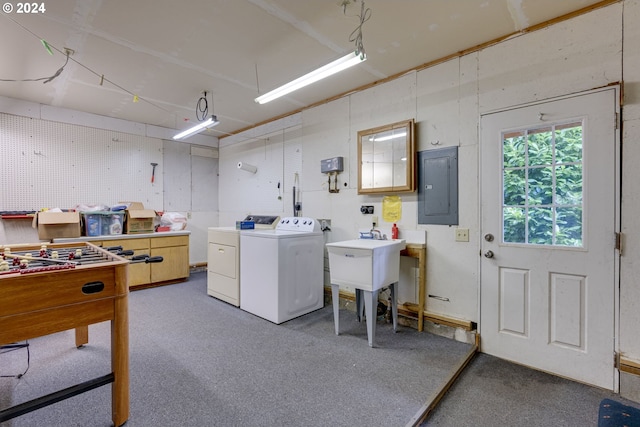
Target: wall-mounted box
438,186
334,164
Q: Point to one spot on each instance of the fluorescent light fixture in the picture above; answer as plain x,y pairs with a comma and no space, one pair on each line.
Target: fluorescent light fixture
325,71
210,122
387,137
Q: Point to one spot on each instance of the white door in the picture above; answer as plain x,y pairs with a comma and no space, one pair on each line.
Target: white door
549,221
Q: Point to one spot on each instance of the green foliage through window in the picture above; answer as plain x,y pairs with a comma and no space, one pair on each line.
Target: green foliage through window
542,185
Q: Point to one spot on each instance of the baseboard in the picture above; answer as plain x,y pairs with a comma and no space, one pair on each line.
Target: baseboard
448,327
629,366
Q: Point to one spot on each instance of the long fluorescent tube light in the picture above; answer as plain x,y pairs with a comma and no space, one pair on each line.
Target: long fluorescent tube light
325,71
210,122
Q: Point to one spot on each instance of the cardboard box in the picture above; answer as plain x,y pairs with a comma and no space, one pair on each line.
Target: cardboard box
53,225
134,206
139,221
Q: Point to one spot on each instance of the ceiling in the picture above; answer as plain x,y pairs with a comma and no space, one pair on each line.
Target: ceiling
149,61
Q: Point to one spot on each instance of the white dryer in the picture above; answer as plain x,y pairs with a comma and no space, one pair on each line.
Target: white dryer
223,259
282,270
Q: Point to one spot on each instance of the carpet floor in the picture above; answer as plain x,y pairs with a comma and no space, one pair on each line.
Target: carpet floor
197,361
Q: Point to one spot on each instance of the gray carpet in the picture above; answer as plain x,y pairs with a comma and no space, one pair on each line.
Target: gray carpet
196,361
494,393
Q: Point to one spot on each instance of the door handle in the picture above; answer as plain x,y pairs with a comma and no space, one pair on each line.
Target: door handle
488,254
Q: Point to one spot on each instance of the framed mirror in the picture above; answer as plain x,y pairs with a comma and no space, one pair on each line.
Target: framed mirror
386,159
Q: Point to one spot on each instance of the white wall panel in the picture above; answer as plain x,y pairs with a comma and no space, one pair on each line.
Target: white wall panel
630,261
322,142
438,113
242,193
631,60
177,165
569,57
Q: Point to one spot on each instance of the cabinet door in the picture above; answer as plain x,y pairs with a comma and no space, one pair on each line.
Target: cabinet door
175,264
138,273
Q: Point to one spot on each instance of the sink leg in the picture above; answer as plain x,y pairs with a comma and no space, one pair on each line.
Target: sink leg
394,306
371,308
359,305
335,299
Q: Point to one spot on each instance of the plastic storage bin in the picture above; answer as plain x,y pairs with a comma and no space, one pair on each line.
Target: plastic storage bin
103,223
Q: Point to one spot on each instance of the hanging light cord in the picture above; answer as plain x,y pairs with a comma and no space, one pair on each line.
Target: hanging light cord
202,108
356,35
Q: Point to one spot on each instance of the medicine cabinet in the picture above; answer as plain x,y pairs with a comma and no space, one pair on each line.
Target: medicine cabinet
386,159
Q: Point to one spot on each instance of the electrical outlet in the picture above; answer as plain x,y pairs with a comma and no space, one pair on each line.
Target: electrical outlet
462,234
366,209
188,215
325,224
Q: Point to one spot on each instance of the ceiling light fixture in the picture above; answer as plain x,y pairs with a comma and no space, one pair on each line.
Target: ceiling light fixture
353,58
325,71
210,122
202,110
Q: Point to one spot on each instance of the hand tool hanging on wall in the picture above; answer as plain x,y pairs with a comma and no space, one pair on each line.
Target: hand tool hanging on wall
153,172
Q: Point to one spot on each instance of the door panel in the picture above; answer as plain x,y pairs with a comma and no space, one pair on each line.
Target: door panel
548,270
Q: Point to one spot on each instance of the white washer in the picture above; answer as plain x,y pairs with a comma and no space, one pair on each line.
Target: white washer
223,259
282,270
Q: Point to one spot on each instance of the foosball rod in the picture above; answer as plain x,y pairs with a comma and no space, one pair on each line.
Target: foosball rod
32,258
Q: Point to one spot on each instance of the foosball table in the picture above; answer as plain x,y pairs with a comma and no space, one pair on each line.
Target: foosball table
62,286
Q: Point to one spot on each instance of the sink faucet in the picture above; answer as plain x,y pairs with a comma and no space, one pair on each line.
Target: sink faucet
377,235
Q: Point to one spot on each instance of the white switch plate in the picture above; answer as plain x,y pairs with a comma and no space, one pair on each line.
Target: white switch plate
462,234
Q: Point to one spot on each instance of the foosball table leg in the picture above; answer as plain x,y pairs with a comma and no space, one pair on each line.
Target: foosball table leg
82,336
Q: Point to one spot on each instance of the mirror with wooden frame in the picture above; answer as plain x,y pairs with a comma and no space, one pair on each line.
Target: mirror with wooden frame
386,159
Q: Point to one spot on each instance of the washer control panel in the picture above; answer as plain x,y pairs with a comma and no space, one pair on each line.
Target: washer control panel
298,223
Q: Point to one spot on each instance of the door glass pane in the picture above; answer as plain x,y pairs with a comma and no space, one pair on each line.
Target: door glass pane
542,185
514,222
539,146
514,187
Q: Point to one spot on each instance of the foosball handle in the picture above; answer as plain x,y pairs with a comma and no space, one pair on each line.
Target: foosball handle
128,252
141,257
154,259
113,248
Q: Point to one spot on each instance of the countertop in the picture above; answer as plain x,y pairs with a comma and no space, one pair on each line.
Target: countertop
122,236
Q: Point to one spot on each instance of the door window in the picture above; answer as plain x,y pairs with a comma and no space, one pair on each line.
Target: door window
542,185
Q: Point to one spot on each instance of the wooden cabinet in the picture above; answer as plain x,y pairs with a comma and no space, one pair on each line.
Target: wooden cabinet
175,251
139,273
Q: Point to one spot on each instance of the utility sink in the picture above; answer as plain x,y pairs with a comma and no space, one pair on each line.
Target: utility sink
365,264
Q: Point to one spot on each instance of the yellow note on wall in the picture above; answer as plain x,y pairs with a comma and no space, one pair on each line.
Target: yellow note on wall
391,208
